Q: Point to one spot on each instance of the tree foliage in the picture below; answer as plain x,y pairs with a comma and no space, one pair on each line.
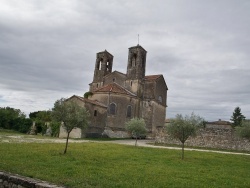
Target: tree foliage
244,130
136,127
237,117
41,118
71,114
87,94
182,128
11,118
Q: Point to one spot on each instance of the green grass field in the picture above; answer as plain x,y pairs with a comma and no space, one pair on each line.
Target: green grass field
112,165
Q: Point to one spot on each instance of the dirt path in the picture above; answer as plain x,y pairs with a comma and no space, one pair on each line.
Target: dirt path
140,143
149,143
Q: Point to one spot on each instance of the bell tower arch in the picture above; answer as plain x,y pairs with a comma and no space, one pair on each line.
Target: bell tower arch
136,66
103,66
136,69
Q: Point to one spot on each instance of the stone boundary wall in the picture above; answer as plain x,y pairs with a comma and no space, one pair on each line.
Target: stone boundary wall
217,138
8,180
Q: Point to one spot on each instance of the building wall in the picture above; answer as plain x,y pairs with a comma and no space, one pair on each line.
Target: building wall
147,114
97,122
118,120
161,90
149,90
75,133
115,77
158,119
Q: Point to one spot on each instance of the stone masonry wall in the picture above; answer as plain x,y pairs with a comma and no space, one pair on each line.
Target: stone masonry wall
8,180
209,138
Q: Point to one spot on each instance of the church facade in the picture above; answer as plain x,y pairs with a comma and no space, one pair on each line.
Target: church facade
115,98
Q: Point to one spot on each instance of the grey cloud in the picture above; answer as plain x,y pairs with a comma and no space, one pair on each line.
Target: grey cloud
48,50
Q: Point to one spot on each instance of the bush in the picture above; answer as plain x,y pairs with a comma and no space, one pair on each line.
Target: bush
41,127
244,130
55,128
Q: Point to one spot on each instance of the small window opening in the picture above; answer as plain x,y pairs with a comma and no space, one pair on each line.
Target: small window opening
112,108
131,83
107,66
134,61
100,65
113,79
160,99
95,113
129,111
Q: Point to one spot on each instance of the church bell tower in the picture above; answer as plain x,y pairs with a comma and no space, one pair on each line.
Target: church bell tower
103,66
136,68
136,63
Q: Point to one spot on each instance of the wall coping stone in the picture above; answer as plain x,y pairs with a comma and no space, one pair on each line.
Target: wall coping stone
15,180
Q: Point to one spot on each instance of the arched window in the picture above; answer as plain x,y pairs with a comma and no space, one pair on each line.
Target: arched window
100,65
129,111
107,66
160,99
95,113
112,108
134,61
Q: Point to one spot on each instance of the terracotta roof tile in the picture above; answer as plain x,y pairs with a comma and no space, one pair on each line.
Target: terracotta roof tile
95,102
115,88
152,77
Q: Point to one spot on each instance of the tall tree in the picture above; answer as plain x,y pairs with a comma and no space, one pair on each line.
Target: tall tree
237,117
137,128
71,114
8,115
182,128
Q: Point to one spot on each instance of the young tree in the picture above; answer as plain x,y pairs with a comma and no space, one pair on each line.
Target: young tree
136,127
182,128
244,130
71,114
237,117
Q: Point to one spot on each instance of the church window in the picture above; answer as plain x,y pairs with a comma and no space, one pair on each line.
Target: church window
113,79
112,109
100,65
160,99
95,113
129,111
134,61
131,83
107,66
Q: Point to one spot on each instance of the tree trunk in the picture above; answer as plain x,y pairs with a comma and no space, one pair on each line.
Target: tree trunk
136,141
66,143
182,156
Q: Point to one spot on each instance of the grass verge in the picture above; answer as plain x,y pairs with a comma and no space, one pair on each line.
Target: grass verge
201,148
113,165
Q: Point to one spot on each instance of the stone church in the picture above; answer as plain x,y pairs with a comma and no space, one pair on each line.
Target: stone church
115,98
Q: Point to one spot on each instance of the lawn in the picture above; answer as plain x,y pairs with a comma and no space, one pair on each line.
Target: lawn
112,165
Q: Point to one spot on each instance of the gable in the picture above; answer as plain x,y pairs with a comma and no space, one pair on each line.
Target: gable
114,88
82,101
115,76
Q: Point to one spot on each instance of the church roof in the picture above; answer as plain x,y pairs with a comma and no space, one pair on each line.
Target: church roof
115,88
152,77
95,102
115,72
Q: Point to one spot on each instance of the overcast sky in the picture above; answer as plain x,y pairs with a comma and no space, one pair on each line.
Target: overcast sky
48,50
